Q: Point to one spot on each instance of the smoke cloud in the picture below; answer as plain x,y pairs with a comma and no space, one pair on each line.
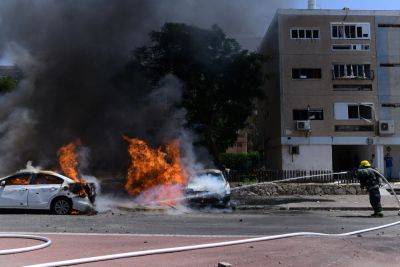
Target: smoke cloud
70,52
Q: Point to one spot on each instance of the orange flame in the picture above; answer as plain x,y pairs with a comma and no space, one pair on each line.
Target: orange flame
68,161
154,174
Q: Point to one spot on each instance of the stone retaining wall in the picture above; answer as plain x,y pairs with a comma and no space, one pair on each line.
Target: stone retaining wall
311,189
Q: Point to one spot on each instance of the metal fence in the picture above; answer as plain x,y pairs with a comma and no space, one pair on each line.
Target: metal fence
317,176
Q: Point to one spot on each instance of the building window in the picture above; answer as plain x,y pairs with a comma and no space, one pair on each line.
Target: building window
353,111
306,73
352,87
304,33
350,30
389,25
391,105
308,114
354,128
352,71
351,47
390,64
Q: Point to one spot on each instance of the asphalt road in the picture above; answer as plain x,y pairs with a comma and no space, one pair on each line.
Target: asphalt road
198,223
80,236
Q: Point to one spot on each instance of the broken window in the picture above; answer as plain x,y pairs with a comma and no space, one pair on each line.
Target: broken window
20,179
350,31
306,73
308,114
47,179
352,111
352,71
365,112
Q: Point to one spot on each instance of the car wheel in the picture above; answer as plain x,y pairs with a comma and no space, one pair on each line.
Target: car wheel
61,206
227,202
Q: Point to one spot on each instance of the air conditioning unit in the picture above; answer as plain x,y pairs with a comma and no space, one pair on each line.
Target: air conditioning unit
386,127
303,125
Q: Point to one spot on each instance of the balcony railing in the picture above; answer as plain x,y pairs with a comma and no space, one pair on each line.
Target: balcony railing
367,75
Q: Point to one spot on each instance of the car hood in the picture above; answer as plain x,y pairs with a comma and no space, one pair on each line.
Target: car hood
210,187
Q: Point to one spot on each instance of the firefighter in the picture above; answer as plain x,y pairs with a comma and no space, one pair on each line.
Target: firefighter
371,181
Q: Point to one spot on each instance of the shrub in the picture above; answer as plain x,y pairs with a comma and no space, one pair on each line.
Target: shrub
7,84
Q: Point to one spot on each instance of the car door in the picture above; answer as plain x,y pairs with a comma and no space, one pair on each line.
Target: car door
14,191
42,189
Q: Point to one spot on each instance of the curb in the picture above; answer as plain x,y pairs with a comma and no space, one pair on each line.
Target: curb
261,207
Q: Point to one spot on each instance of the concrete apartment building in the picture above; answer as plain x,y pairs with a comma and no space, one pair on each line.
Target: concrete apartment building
333,97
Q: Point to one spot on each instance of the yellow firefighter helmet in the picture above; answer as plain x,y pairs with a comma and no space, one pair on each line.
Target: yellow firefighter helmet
365,164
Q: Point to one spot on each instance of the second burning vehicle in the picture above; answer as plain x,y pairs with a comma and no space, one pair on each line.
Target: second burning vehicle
209,187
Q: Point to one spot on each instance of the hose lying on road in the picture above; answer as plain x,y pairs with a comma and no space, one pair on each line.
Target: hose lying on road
47,242
202,246
215,245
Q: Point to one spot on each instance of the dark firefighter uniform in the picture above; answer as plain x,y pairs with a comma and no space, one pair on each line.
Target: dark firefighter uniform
371,181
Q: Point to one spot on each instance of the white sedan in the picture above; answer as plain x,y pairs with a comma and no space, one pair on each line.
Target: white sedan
45,190
209,187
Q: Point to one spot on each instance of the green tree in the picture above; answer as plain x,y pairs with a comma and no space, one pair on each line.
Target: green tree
220,80
7,84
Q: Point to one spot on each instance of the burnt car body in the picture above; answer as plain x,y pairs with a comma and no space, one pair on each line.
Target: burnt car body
208,188
46,190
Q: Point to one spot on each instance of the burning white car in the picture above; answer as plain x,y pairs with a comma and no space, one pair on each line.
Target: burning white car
209,187
45,190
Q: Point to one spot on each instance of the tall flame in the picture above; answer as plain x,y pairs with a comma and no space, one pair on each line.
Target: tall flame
154,174
68,161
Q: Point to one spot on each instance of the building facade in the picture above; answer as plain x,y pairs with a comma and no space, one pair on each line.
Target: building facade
333,96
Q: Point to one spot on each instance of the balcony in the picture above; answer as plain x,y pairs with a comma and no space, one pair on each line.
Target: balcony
366,75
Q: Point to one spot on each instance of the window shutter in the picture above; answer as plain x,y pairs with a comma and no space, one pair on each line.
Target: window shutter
341,111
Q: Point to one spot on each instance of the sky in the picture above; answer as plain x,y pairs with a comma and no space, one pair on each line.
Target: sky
267,8
353,4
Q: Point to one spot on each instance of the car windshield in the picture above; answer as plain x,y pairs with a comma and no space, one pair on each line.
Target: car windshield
211,175
206,178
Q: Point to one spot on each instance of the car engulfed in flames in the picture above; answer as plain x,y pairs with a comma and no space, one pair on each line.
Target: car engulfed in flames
155,176
208,188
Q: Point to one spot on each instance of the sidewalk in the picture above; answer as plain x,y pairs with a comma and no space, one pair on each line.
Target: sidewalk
324,202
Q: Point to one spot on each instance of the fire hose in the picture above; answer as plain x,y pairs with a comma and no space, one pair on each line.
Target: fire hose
220,244
46,242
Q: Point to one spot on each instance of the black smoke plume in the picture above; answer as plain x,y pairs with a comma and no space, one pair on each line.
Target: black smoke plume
70,53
